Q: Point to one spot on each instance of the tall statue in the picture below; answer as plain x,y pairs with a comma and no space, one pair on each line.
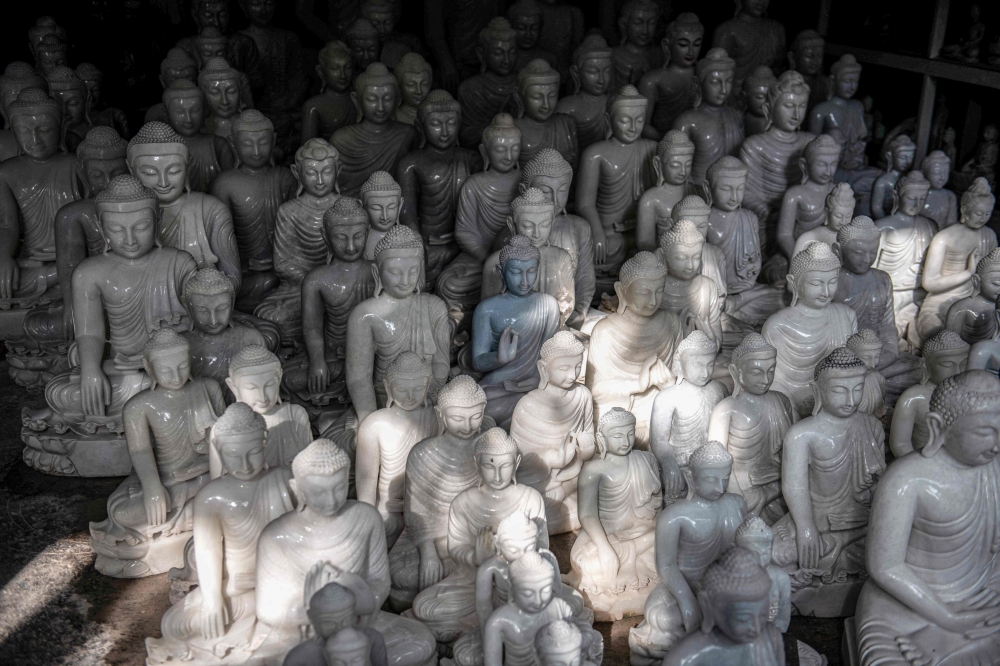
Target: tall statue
942,204
592,73
415,76
754,95
636,53
377,142
751,38
70,93
332,108
541,124
525,18
693,297
972,316
101,115
208,154
805,56
672,165
226,94
715,127
382,198
838,211
673,88
282,74
16,77
177,65
804,205
899,154
492,91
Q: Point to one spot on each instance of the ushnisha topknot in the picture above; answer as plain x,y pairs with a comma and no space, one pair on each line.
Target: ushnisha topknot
336,49
558,636
208,281
519,248
162,339
686,23
181,89
561,345
438,101
860,228
685,232
900,142
33,102
537,72
238,419
847,63
615,416
643,265
726,166
754,529
156,138
815,257
737,575
331,598
407,364
16,77
65,78
523,8
321,458
462,391
753,344
101,143
866,337
592,46
674,142
177,59
789,82
19,69
531,198
964,393
317,149
495,442
380,181
824,144
252,120
716,60
376,74
517,527
125,194
345,210
252,356
934,157
978,191
913,180
806,37
697,341
411,63
840,358
348,641
760,77
497,30
944,340
530,566
626,95
217,68
399,241
501,127
691,205
710,454
841,196
984,265
547,162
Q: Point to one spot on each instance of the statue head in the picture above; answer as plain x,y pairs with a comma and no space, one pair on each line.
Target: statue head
348,647
255,378
626,114
681,248
682,40
839,383
184,103
221,85
332,608
936,168
735,596
167,359
320,478
819,161
157,156
987,277
787,100
964,418
100,157
214,13
525,17
260,12
707,471
128,212
846,73
812,276
532,215
36,120
70,92
382,197
177,65
516,535
317,165
726,183
501,144
755,536
694,360
376,94
92,79
911,193
755,89
560,361
592,70
49,54
945,354
346,226
549,171
363,40
208,296
439,116
899,153
414,76
253,139
210,43
977,204
461,404
237,441
752,365
44,26
382,14
674,158
16,77
638,22
839,207
867,346
857,245
497,458
335,67
805,54
754,8
715,74
497,49
399,262
407,379
538,90
559,643
532,582
640,284
518,265
694,208
616,432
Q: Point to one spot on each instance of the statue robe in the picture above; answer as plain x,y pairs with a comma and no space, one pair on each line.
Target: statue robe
716,131
873,395
39,189
755,444
555,278
751,43
942,207
482,97
281,80
630,64
203,227
675,94
210,354
400,433
364,151
558,133
697,306
773,160
901,255
587,115
572,233
255,212
736,233
870,296
621,185
288,432
203,160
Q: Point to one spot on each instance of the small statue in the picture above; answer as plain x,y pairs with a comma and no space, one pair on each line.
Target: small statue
751,425
298,239
899,155
847,116
377,142
332,608
225,95
382,198
415,76
385,15
363,41
282,77
553,427
754,93
50,53
16,77
948,144
620,494
559,643
755,536
636,54
455,40
715,127
804,206
241,50
70,93
930,510
838,211
673,88
177,65
150,513
812,327
691,296
631,351
967,49
540,124
332,108
208,154
751,39
867,346
690,535
525,18
985,162
229,513
592,73
805,56
492,91
942,204
431,179
953,256
736,629
972,316
672,165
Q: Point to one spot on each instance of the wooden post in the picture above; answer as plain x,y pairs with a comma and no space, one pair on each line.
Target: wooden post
925,114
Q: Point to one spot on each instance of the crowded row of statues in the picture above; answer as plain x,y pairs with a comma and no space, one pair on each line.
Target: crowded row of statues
359,362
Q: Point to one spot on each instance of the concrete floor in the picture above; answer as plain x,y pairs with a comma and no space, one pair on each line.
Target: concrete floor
55,609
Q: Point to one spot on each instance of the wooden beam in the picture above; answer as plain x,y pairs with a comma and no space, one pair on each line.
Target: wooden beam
943,69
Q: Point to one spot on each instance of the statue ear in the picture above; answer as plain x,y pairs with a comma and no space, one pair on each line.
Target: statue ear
767,116
481,54
440,419
215,468
300,503
232,146
322,77
976,282
574,74
523,187
378,280
895,201
936,438
835,247
231,384
388,394
421,135
298,177
485,156
804,168
658,170
357,106
689,480
543,374
707,621
665,45
511,226
602,445
620,292
518,104
517,463
817,397
734,372
706,192
792,287
607,126
149,370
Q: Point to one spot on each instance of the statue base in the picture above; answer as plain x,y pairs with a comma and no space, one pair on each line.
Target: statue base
12,322
158,555
828,599
33,368
614,607
70,454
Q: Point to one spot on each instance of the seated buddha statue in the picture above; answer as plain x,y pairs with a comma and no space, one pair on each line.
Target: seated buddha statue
942,204
332,108
803,205
751,38
692,297
208,154
867,346
755,536
805,56
177,64
382,198
592,73
227,94
673,88
70,93
526,18
492,91
898,153
16,77
972,316
414,75
363,41
672,165
100,114
541,125
713,260
636,53
838,211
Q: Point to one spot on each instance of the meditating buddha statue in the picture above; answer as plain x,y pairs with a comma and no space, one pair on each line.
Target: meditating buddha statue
178,64
673,88
100,114
592,73
16,77
754,95
755,536
751,38
691,296
899,154
867,346
208,154
672,165
541,124
332,108
492,91
804,206
382,198
562,30
363,41
227,95
636,53
70,93
972,316
385,16
942,204
713,260
838,211
805,56
415,76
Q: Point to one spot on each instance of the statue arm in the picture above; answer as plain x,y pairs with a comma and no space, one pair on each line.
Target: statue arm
360,365
10,237
668,533
484,590
71,249
648,89
88,323
887,327
933,281
377,574
444,332
786,223
140,451
310,121
659,442
406,175
645,223
585,280
484,359
368,461
222,241
795,488
984,355
313,314
209,539
718,425
493,641
903,420
816,122
589,180
878,197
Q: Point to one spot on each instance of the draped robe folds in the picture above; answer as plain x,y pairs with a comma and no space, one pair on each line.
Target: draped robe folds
40,189
203,227
755,444
255,200
942,207
482,97
676,92
619,189
557,132
751,42
588,115
716,131
211,354
572,233
203,160
555,278
631,63
691,409
288,432
697,306
901,254
870,296
873,395
363,151
773,160
397,434
463,21
803,337
736,233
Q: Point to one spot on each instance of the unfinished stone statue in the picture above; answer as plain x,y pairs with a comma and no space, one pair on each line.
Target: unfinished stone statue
592,72
899,154
673,88
972,316
672,165
838,211
804,206
332,108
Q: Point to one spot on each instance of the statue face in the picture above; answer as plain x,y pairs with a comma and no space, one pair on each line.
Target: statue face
501,57
697,367
741,621
837,217
242,455
100,172
902,158
822,166
533,595
409,392
37,135
503,153
536,225
257,386
186,115
211,49
171,74
938,174
676,167
378,102
643,296
619,438
49,60
944,364
640,26
325,495
562,371
711,482
130,235
317,177
382,209
815,289
685,48
529,29
462,422
328,623
347,240
415,86
497,472
755,7
809,58
840,390
762,547
259,11
858,255
728,191
364,50
520,276
595,75
683,260
564,656
912,200
716,86
400,275
555,190
210,313
73,104
254,148
846,85
974,438
976,215
868,355
789,111
627,121
513,549
441,128
757,100
214,14
223,96
164,174
337,73
755,374
989,284
540,101
384,22
171,368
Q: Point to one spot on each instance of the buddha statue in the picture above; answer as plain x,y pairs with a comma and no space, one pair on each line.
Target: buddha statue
385,16
208,154
942,204
332,108
690,534
454,38
541,125
592,73
618,497
972,316
692,297
226,94
363,41
70,93
953,256
715,128
377,142
751,38
491,91
283,80
847,116
414,76
508,330
673,88
229,513
804,206
562,30
347,534
553,427
672,166
931,521
525,18
755,536
348,647
754,93
613,175
899,154
177,65
50,53
867,346
298,239
240,49
16,77
150,513
751,425
389,434
838,211
382,198
830,464
431,179
636,53
811,327
736,629
805,56
713,260
399,317
559,643
44,27
210,43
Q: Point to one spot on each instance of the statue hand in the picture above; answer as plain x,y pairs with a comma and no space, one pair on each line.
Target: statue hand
600,245
808,546
318,377
690,614
970,265
484,545
95,392
673,481
155,500
507,347
10,273
213,617
609,563
431,568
